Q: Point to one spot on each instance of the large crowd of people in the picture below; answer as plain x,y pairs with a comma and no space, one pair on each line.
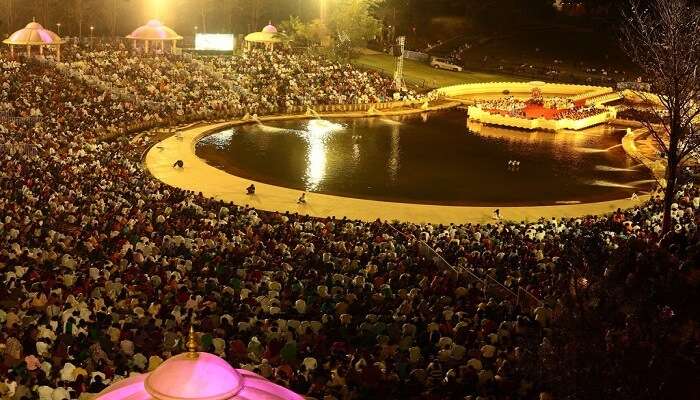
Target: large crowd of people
254,82
554,108
288,80
104,268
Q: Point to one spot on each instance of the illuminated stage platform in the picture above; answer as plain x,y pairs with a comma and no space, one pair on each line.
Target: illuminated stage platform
541,122
537,105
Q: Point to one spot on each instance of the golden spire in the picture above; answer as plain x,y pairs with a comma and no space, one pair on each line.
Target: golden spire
192,345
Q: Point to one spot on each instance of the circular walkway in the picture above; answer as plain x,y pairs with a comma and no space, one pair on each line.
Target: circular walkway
198,176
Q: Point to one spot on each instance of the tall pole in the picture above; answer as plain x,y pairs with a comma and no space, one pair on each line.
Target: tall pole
204,16
79,4
324,11
398,75
113,29
45,13
10,15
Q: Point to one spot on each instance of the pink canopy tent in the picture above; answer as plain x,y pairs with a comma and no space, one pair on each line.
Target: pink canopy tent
34,35
155,31
197,376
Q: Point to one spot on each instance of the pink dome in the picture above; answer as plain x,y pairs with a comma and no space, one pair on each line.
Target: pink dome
203,377
33,25
270,29
183,377
154,30
34,35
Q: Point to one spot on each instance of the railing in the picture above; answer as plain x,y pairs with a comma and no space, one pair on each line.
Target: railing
359,107
524,87
605,98
490,287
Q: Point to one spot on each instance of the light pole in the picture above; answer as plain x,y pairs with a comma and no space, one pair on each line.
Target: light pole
92,37
58,26
323,10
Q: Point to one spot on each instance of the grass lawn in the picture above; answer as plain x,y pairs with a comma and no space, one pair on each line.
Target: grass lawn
420,74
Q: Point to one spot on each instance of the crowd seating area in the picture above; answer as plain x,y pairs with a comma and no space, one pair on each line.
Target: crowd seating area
170,88
288,79
168,85
104,269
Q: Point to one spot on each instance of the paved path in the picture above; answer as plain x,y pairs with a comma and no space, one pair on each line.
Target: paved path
198,176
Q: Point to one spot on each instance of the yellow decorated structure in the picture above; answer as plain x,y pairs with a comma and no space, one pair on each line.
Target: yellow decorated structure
268,36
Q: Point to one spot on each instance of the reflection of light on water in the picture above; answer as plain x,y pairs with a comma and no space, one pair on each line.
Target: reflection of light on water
567,138
316,164
589,150
610,184
593,150
394,159
322,127
390,121
271,129
614,169
316,134
643,182
220,139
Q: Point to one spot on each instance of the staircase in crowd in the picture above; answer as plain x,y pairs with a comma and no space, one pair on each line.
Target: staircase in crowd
94,81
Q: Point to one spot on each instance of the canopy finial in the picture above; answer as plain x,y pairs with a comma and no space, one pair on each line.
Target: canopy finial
192,344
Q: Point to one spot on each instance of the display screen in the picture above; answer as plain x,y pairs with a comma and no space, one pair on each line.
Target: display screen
214,41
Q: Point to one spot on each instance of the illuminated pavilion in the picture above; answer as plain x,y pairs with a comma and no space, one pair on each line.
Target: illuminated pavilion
268,37
196,376
35,35
155,32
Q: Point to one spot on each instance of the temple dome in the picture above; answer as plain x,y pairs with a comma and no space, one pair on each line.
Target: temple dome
203,377
154,30
34,35
269,28
196,376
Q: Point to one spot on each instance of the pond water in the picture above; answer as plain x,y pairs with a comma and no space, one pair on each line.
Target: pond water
431,158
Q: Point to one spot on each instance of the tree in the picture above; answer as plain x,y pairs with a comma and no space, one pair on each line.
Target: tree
315,31
664,41
355,20
8,11
293,28
303,34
